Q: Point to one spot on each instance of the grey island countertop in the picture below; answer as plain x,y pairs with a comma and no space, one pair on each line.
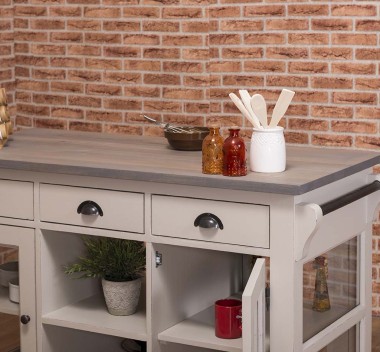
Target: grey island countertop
151,159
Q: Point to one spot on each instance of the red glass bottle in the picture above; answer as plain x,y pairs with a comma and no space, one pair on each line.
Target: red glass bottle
234,154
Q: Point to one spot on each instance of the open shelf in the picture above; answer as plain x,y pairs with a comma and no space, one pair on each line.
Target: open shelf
199,331
91,315
6,306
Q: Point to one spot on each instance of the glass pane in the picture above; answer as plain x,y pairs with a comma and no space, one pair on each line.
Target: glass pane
347,342
9,298
330,287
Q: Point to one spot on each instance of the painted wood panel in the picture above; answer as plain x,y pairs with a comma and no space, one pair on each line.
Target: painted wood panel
123,211
243,224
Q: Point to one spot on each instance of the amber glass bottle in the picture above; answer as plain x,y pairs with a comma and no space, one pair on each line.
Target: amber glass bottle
234,155
321,301
212,152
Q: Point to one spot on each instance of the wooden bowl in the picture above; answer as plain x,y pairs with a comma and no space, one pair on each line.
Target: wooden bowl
187,141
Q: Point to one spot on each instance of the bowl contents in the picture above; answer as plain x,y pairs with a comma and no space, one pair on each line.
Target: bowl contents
173,128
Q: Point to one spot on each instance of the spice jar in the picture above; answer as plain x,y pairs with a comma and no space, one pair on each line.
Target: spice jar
234,154
212,152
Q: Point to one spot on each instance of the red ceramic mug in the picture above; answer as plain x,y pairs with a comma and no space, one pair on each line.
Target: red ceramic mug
228,318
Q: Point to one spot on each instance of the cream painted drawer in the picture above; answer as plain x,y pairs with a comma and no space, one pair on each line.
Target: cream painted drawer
114,210
16,199
243,223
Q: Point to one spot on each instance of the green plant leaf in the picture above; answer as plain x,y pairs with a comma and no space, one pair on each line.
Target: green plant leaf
113,259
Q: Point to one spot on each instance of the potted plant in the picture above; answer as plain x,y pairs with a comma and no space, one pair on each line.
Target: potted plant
120,264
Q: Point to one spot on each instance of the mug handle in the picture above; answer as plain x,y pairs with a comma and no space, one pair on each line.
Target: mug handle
240,317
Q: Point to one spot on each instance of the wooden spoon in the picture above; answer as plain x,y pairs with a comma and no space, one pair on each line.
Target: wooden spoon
239,104
246,98
259,107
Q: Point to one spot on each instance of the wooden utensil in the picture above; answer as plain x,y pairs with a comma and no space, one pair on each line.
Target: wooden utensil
3,97
4,115
259,107
239,104
281,106
246,98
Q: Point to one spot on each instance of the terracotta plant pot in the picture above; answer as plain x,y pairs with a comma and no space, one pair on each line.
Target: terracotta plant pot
122,298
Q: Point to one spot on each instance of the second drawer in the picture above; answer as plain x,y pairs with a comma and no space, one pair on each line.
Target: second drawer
121,211
243,223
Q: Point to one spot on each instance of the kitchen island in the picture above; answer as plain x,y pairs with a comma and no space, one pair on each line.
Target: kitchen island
322,205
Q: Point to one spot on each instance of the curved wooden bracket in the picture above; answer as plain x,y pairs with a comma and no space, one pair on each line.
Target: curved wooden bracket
307,220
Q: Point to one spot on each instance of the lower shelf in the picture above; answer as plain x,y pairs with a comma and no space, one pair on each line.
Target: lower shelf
6,306
91,315
199,331
314,322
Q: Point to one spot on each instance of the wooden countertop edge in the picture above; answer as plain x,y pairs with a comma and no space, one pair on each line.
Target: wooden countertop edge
190,180
149,159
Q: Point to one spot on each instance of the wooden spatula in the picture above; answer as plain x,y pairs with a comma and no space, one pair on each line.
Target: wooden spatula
281,106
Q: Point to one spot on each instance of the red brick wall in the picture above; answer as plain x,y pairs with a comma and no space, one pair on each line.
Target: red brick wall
7,62
376,268
97,64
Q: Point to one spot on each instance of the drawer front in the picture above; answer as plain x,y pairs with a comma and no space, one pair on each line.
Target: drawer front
17,199
122,211
243,223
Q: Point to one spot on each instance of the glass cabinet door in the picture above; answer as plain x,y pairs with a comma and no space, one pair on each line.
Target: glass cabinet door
331,287
346,342
9,299
17,290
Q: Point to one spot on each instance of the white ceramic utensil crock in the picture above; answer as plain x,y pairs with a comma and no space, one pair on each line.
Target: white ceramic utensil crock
267,151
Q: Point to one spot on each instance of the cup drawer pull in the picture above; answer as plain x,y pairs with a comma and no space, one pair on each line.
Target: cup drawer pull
88,207
207,221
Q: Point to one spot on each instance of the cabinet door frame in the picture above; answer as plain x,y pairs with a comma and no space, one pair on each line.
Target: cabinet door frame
254,309
24,239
